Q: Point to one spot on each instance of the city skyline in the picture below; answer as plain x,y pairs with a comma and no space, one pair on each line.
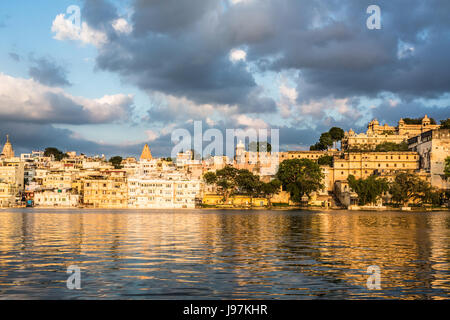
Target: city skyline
132,74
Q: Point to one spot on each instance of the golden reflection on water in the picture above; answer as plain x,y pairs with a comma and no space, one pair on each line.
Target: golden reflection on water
223,254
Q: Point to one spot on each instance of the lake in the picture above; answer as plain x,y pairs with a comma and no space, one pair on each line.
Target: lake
217,254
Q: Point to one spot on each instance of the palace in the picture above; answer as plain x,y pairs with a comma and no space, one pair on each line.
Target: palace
377,134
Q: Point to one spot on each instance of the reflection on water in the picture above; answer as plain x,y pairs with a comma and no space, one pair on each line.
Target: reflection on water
197,254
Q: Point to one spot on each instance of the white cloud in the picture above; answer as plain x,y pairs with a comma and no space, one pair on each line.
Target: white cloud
26,100
237,55
288,99
151,135
248,122
122,26
64,29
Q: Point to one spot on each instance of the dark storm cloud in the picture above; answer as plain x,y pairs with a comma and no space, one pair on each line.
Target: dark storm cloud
166,16
47,71
181,48
98,13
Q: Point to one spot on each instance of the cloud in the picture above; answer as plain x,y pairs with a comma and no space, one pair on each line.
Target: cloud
187,56
16,57
237,55
122,26
48,72
64,29
26,100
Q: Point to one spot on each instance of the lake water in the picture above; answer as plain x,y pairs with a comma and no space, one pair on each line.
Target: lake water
208,254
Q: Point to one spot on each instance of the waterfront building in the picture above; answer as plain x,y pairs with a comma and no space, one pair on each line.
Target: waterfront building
106,191
12,172
433,148
58,198
7,194
237,200
163,193
365,164
378,134
58,180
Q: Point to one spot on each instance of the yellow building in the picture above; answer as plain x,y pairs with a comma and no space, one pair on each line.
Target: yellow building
433,148
377,134
238,201
106,191
364,164
311,155
7,195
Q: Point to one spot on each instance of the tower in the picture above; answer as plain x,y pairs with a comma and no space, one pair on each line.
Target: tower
8,151
240,152
146,154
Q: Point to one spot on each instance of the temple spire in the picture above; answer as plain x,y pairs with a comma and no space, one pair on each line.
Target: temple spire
146,153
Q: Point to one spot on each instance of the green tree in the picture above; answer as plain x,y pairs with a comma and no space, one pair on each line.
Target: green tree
226,181
447,167
326,140
300,177
391,146
337,134
445,124
260,146
269,189
210,178
417,120
406,187
57,154
368,190
325,161
116,162
248,184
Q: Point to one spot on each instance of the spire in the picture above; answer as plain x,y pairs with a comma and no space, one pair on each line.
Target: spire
146,154
8,151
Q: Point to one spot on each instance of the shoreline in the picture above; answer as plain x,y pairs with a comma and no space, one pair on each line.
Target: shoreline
293,208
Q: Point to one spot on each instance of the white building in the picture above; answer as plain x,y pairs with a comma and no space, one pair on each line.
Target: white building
159,194
56,199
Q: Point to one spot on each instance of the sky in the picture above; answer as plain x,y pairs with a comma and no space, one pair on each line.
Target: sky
131,72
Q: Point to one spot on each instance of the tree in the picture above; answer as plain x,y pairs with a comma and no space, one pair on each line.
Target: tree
406,187
445,124
116,162
226,181
391,146
417,120
368,190
260,146
447,167
248,184
317,147
337,134
325,161
326,140
57,154
210,178
270,188
300,177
